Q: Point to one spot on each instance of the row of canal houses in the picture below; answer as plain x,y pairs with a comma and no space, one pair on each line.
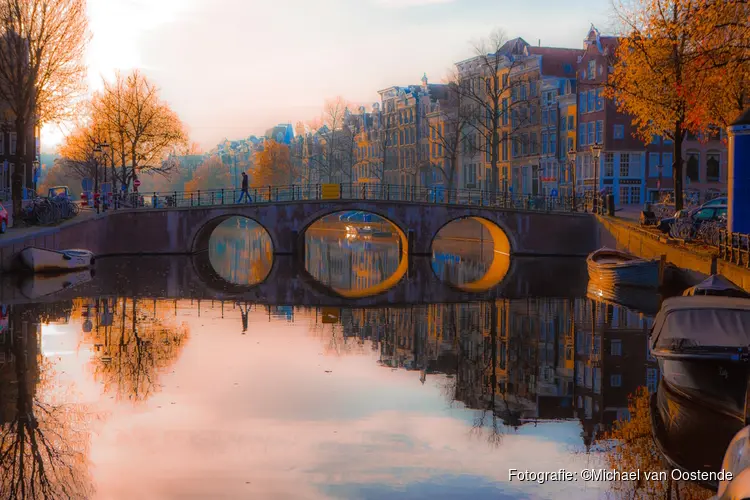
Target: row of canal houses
521,360
552,114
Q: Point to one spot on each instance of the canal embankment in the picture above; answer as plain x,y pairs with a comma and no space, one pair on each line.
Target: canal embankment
695,262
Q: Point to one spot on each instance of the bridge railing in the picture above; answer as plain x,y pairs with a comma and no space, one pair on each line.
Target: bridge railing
359,192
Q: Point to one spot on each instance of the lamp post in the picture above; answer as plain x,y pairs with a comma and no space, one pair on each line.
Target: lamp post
596,151
102,147
572,158
35,163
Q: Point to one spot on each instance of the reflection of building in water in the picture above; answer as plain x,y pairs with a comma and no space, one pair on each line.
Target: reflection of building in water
241,254
524,360
20,335
458,270
351,264
612,361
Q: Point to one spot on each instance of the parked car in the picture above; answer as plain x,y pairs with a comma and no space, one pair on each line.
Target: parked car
721,200
3,219
59,191
698,218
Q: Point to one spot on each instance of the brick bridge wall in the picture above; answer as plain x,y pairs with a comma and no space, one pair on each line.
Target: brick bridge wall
185,230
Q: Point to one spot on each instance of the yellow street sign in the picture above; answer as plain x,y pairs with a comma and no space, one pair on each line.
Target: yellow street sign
330,191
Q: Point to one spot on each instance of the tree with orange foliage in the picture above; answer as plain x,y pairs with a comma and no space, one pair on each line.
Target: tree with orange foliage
211,174
673,69
273,166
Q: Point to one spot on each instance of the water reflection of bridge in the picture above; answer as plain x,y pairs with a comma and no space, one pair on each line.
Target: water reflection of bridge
288,283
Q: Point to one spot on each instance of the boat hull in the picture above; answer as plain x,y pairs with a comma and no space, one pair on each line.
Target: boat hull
622,269
720,385
42,260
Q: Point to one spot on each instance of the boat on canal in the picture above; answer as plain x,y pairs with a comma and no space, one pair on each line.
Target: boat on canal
608,268
716,285
702,346
42,260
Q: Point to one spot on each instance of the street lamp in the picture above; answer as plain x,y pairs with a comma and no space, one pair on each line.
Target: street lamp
596,152
572,157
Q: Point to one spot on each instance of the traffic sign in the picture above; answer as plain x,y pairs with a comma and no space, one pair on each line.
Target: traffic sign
553,193
87,184
136,183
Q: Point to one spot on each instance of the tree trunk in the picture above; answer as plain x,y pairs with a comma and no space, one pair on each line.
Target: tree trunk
677,169
19,168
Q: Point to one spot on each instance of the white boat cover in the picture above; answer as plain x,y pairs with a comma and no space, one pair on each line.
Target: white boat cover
702,321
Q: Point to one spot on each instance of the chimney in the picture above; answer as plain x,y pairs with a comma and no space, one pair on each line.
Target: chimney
539,43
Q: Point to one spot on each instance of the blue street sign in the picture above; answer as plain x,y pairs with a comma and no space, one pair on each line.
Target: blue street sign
553,193
87,184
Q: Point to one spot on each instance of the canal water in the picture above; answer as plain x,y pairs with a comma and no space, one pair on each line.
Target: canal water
120,392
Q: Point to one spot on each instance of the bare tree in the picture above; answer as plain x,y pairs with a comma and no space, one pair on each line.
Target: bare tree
487,81
41,68
448,123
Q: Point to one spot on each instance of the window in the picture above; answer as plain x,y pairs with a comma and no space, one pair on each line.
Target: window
582,102
653,164
532,88
624,164
619,132
514,94
505,146
609,165
570,143
599,100
553,117
563,123
592,69
505,109
514,118
545,117
2,143
655,139
713,171
616,347
693,166
514,148
505,80
553,143
592,132
523,91
666,162
592,100
599,132
705,214
12,143
582,134
544,143
615,380
571,122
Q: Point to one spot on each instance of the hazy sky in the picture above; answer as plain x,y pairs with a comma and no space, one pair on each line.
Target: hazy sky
232,68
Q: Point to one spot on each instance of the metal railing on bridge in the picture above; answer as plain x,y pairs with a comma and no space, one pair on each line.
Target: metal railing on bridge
352,192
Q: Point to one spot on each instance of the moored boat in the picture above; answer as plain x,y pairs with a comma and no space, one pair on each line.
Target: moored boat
41,285
43,260
636,299
608,267
717,285
701,343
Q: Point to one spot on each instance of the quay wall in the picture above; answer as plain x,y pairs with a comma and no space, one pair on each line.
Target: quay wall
695,266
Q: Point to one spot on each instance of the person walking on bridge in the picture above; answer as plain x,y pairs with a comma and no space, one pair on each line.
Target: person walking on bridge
244,194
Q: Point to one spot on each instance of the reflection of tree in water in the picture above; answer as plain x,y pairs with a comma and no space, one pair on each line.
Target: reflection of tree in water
139,344
630,446
44,441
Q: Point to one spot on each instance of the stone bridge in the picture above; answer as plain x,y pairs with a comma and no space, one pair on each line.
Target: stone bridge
188,229
288,283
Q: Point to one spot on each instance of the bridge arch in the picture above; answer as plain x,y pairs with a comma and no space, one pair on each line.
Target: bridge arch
202,236
384,285
501,251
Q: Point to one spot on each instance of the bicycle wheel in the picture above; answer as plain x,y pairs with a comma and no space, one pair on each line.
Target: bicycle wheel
75,209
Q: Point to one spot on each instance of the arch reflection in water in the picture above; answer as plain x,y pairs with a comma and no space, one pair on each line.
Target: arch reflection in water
357,254
472,254
240,251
